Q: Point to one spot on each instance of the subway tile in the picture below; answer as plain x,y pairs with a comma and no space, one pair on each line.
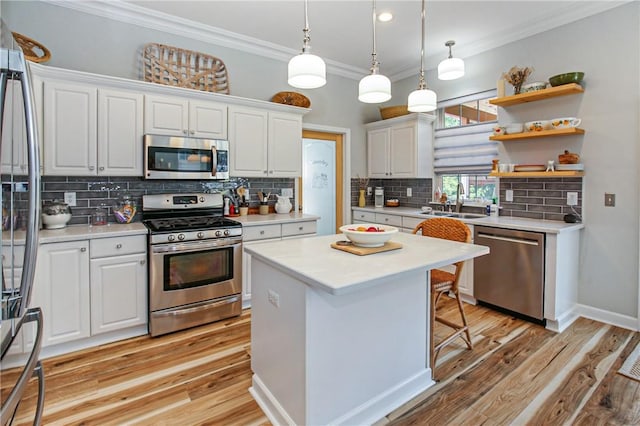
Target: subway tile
529,215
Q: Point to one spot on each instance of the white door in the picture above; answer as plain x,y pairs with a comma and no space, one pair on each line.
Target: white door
319,183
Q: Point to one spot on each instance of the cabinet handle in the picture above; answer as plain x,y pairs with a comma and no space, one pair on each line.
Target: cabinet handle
261,232
184,131
386,219
118,246
193,132
92,167
83,249
271,171
142,262
265,172
101,168
301,228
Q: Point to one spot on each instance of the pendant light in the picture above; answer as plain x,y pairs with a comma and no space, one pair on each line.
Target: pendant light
375,87
307,71
451,68
423,99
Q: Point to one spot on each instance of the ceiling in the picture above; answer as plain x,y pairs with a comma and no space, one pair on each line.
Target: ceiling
341,31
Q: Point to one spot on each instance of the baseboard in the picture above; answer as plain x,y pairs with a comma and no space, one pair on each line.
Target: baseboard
607,317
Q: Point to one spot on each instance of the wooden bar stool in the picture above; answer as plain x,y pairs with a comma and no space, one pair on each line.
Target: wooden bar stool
445,282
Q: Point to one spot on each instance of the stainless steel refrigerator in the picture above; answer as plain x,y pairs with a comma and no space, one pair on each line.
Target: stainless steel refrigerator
19,158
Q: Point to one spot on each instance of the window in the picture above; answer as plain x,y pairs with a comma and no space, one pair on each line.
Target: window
462,149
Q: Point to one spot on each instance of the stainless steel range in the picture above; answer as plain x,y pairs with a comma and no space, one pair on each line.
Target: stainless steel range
195,261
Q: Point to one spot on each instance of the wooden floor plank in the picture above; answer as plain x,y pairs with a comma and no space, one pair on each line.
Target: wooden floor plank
201,376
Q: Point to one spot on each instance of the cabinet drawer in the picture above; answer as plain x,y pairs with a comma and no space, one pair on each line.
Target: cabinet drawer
388,219
298,228
117,246
252,233
364,216
18,256
411,222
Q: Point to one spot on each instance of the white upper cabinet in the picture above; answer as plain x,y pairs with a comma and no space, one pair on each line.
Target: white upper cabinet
91,131
264,143
174,116
400,147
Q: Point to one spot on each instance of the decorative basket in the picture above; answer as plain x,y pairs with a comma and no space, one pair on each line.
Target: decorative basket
33,51
291,98
393,111
173,66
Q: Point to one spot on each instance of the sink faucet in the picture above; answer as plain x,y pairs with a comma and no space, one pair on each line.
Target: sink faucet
459,192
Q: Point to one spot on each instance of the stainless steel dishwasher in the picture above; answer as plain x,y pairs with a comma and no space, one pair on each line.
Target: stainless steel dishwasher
511,276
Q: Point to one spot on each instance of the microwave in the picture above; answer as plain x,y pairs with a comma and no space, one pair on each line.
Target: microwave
171,157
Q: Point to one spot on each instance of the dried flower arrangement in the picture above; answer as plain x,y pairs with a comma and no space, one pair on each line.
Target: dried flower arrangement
362,182
516,77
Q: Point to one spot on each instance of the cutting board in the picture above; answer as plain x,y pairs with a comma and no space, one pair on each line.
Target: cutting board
363,251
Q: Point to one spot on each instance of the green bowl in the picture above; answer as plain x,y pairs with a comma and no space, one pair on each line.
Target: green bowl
566,78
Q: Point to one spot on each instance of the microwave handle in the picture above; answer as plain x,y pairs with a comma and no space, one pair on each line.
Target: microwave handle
214,160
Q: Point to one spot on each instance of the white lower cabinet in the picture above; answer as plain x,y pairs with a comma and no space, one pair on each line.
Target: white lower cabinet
118,284
86,288
62,291
266,232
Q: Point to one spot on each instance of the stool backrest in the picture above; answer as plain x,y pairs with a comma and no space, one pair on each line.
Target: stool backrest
445,228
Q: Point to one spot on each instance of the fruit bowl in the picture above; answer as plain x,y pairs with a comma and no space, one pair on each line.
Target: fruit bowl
566,78
368,234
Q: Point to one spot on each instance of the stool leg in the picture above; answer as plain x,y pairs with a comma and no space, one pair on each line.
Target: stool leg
464,322
432,326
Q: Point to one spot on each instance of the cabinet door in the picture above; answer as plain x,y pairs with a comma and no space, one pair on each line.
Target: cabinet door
70,129
120,122
285,145
118,292
165,115
207,120
378,152
246,272
247,142
402,157
14,134
62,291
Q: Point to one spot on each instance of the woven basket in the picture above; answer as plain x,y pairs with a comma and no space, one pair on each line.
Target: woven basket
32,50
393,111
291,98
173,66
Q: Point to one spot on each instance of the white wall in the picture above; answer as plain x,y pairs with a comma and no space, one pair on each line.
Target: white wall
605,46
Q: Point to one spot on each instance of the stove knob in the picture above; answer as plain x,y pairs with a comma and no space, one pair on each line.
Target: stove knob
181,237
218,233
202,199
171,237
200,235
226,232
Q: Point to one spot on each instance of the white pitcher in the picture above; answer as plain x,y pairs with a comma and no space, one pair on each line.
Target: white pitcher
283,205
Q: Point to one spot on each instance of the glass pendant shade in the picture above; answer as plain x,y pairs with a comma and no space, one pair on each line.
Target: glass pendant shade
450,69
307,71
422,100
374,88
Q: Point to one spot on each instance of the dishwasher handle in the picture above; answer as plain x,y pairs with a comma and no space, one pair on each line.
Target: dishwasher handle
508,239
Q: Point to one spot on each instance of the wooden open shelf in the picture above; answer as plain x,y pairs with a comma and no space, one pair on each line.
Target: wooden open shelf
551,92
540,134
563,173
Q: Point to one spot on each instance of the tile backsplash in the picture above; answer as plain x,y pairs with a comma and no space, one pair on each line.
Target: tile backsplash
397,188
539,198
93,192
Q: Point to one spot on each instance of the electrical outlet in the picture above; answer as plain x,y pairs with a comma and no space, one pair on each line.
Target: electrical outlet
609,200
409,192
287,192
70,198
22,187
508,195
572,198
368,190
274,298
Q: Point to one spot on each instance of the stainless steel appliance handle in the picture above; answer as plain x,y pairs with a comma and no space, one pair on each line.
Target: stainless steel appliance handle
193,246
31,239
11,403
214,160
507,239
4,76
202,307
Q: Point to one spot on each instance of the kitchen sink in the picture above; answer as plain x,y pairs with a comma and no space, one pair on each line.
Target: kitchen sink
436,213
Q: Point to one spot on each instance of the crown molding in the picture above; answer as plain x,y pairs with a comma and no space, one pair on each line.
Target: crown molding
147,18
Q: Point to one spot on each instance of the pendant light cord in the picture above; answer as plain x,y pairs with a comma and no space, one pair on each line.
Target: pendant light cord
374,61
422,84
307,39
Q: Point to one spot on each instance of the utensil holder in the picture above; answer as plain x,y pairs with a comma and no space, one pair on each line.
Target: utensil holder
244,211
264,208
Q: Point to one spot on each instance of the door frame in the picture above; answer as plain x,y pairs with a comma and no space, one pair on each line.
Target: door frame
346,164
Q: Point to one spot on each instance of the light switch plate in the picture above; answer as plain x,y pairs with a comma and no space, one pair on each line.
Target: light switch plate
70,198
609,200
409,192
508,195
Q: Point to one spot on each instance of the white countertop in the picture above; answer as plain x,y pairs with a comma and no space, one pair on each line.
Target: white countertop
273,218
82,232
313,261
524,224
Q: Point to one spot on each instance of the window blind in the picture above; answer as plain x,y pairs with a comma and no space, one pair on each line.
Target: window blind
464,149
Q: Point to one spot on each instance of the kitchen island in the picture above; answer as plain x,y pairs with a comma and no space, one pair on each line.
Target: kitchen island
338,338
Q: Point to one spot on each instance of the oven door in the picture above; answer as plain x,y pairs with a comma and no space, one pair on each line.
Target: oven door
167,157
195,271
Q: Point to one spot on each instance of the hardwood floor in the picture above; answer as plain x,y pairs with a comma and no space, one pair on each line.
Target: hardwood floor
518,373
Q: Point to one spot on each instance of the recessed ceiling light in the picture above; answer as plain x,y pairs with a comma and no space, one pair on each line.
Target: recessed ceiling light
385,16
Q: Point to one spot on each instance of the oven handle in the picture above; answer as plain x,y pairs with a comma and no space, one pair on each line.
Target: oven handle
201,307
193,246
